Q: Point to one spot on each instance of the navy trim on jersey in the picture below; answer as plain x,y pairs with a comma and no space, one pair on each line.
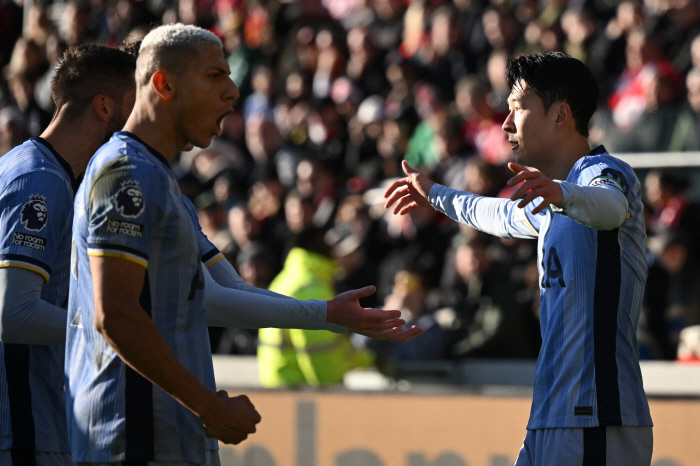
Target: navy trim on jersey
117,247
19,395
153,152
210,254
594,446
66,166
606,300
27,259
138,403
597,150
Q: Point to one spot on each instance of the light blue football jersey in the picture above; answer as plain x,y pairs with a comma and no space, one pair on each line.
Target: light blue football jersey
36,208
591,289
129,206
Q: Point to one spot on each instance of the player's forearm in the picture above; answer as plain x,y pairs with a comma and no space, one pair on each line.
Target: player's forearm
25,318
599,207
139,343
225,275
487,214
227,307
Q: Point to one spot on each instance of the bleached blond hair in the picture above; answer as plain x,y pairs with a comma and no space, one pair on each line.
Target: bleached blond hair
170,47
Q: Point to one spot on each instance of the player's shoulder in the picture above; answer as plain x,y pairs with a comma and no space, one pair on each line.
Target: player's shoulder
600,167
125,153
28,162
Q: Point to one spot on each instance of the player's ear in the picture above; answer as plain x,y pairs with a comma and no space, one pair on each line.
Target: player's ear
162,84
563,114
103,107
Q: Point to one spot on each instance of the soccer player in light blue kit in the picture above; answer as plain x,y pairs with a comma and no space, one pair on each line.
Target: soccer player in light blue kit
584,208
93,88
140,385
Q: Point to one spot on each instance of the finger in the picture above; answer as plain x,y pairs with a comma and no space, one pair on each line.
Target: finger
408,208
409,334
380,315
399,193
531,196
407,168
516,167
377,326
521,177
525,187
360,293
223,394
404,201
395,185
543,205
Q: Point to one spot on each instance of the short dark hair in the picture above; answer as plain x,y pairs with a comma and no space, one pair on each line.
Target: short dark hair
85,71
555,77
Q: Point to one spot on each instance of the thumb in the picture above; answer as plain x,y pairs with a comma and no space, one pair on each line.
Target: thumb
362,292
407,168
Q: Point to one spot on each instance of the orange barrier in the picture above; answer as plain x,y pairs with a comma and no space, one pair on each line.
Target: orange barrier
393,429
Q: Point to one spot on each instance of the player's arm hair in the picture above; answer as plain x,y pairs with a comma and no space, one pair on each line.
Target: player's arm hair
237,308
599,207
25,318
127,328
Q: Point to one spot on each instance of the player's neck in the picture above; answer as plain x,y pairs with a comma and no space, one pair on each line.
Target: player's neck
155,129
565,155
73,141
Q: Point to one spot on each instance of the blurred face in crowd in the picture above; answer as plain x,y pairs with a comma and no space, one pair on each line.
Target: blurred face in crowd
692,82
528,126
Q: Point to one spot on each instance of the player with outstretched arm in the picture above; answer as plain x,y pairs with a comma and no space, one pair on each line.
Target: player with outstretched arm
584,208
139,376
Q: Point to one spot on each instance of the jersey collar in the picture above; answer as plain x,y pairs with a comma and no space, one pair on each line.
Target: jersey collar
597,151
65,165
153,152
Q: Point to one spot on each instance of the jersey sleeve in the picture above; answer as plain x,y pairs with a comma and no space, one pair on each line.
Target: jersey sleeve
496,216
33,221
209,253
126,211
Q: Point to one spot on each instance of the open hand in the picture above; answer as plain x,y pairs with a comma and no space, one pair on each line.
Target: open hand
409,192
381,324
233,420
536,185
345,310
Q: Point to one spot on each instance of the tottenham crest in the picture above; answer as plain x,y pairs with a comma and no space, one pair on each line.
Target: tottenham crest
34,213
129,199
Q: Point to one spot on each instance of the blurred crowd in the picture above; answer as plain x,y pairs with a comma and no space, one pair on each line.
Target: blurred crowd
335,93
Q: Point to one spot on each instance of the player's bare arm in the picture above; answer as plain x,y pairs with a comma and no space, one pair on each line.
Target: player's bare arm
407,193
535,185
126,327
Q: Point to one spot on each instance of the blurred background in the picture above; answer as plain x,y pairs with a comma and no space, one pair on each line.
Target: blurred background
335,93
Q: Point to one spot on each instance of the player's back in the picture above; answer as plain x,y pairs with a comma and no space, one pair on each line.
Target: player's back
36,207
130,207
591,287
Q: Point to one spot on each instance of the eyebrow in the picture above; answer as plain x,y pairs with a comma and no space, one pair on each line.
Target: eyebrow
217,68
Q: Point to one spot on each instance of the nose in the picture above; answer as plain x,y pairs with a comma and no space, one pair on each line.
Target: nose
509,123
232,92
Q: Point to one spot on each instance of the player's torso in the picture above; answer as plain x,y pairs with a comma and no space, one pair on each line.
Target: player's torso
591,286
35,216
173,297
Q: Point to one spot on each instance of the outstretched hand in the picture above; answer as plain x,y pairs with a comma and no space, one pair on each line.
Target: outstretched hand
409,192
345,310
535,185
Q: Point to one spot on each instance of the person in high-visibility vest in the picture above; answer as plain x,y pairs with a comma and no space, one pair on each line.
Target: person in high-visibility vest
293,357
